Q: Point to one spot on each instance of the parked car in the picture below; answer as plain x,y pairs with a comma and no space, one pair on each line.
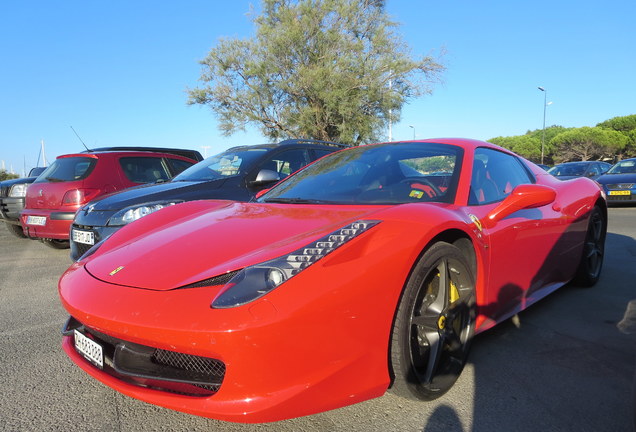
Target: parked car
236,174
74,179
359,273
619,182
570,170
12,195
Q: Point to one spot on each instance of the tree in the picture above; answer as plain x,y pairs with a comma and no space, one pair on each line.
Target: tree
627,126
327,69
587,143
525,145
4,175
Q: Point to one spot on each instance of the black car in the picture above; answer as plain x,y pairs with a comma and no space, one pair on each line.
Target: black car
236,174
570,170
12,196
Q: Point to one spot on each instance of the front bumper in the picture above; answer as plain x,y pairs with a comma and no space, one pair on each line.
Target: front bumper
99,234
56,226
282,358
10,208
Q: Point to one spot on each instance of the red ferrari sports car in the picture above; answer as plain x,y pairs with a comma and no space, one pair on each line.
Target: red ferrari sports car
370,269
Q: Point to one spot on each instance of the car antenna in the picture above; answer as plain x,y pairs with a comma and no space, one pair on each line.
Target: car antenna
78,137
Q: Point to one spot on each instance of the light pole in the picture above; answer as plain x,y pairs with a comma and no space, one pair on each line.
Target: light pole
205,151
413,127
545,105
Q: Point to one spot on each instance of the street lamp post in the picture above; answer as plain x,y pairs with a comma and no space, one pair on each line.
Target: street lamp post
545,105
413,127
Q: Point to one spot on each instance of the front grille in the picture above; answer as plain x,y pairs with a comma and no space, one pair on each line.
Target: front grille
82,248
156,368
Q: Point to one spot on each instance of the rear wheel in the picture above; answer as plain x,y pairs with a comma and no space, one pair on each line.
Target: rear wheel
434,324
16,230
56,244
589,270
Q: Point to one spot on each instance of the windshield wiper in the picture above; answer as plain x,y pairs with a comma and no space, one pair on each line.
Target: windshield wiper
53,179
295,201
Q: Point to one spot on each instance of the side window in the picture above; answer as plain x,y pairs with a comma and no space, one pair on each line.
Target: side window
144,169
495,175
320,153
178,165
286,162
595,170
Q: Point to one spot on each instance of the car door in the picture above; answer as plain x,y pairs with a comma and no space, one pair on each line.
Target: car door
517,246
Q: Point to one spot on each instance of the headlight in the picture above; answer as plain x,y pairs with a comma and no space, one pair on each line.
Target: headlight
255,281
132,213
18,190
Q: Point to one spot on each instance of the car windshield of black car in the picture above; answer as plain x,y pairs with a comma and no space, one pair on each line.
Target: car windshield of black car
624,167
224,165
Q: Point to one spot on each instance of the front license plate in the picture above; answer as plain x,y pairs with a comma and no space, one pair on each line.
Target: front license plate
620,192
36,220
91,350
85,237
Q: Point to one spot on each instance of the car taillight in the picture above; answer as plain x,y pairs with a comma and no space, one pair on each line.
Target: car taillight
79,196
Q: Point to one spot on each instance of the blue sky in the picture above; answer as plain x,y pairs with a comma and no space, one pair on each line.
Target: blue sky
118,71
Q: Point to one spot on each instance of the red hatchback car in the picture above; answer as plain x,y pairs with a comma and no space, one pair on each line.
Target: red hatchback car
75,179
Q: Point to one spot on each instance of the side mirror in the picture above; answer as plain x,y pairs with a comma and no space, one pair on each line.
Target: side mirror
525,196
264,177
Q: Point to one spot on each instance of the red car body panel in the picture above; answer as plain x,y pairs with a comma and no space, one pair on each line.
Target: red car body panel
320,340
47,199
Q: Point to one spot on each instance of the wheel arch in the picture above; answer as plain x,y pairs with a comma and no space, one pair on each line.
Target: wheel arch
454,236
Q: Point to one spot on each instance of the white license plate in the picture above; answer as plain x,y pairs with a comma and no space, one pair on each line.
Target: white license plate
36,220
86,237
91,350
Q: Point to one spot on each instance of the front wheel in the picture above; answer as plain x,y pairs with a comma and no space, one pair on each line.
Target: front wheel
56,244
434,324
16,230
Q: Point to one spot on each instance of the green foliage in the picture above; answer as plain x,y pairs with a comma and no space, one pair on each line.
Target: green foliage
4,175
527,146
327,69
588,143
612,139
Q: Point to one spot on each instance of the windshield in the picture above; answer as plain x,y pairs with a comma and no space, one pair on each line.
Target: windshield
624,167
569,169
67,169
227,164
376,174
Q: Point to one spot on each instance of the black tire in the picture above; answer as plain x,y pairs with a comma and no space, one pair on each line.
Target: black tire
591,264
434,324
56,244
16,230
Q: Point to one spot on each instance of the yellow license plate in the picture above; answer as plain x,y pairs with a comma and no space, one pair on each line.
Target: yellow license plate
620,193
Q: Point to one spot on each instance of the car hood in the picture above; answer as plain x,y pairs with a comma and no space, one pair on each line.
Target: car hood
617,178
9,183
154,192
198,240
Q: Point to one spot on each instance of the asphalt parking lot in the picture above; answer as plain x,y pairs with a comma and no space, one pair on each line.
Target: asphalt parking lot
568,366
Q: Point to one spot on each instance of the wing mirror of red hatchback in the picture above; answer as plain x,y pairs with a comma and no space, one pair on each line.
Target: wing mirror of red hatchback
525,196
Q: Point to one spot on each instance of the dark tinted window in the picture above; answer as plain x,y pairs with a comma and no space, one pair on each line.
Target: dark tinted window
227,164
376,174
67,169
495,175
141,169
286,162
179,165
320,153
